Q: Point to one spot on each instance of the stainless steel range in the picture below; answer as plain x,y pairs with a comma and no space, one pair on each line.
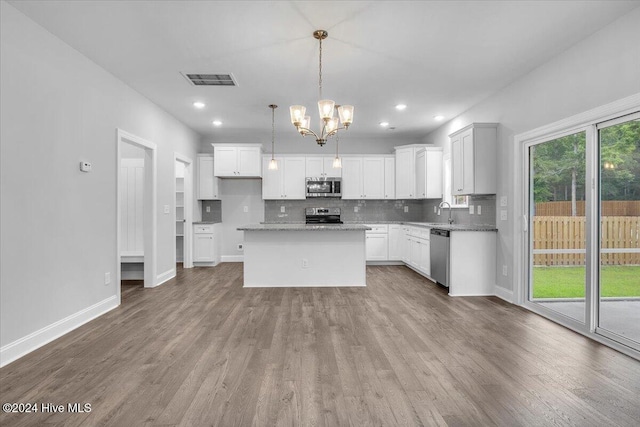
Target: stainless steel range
322,216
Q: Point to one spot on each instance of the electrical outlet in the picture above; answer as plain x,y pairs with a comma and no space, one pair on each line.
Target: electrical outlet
470,209
355,209
240,248
107,278
504,270
245,209
305,263
406,209
503,214
479,210
282,209
208,209
503,201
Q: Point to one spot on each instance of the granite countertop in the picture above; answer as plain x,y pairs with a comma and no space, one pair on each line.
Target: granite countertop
303,227
439,225
454,227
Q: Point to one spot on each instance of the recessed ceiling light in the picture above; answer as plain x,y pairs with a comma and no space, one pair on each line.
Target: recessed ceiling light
199,104
438,117
217,123
401,107
384,124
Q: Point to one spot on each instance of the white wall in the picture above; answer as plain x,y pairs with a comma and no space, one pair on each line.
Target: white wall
600,69
59,224
235,195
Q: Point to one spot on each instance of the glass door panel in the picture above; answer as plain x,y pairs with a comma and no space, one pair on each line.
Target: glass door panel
557,237
619,275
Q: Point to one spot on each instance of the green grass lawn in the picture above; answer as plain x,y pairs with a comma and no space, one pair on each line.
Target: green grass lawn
568,282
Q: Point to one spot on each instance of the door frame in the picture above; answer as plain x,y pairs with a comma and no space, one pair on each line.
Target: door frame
520,223
150,198
187,260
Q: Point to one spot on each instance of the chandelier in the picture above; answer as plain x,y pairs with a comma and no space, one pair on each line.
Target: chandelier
326,107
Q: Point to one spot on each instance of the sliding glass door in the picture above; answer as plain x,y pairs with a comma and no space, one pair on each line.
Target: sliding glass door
619,258
557,212
583,228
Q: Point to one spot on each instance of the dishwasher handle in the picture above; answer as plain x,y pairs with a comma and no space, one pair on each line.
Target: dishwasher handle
439,232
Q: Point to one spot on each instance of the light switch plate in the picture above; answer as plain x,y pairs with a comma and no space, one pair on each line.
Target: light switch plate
167,209
355,209
406,209
470,209
503,201
435,210
208,209
479,209
245,209
282,209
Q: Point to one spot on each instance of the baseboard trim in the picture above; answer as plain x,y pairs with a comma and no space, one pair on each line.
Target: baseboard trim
22,346
232,258
504,294
164,277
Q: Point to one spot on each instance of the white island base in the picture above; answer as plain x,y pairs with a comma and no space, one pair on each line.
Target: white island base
298,257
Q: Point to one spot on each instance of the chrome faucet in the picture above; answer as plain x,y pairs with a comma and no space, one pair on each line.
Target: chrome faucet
441,205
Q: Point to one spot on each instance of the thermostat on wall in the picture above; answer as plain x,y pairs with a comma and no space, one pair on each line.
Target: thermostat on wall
85,166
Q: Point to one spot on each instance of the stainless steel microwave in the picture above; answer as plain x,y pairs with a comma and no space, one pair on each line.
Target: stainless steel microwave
324,187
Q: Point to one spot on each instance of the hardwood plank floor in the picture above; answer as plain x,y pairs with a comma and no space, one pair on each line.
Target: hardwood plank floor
201,350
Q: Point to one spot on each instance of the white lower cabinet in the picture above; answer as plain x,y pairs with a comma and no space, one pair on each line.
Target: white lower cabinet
206,243
377,243
419,249
396,242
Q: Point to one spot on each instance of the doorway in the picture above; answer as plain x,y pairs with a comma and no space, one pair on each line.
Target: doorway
183,210
145,225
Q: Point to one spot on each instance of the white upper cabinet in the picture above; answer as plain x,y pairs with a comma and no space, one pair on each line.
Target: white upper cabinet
237,161
473,159
373,178
429,173
352,178
390,177
207,185
405,173
287,182
322,167
364,178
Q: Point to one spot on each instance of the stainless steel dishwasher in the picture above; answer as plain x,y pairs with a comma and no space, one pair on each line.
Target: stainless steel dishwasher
440,256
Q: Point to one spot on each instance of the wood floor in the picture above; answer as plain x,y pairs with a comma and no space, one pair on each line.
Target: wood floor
200,350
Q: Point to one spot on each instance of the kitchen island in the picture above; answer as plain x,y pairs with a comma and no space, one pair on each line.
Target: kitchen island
291,255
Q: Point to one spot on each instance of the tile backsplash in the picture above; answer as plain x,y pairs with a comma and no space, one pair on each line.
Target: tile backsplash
215,210
463,216
352,210
384,210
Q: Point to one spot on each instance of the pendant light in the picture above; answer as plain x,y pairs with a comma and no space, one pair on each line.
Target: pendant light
337,162
273,163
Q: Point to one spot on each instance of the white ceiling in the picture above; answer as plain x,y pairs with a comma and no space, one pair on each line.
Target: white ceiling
438,57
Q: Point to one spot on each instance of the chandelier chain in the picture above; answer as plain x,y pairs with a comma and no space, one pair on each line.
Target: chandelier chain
320,72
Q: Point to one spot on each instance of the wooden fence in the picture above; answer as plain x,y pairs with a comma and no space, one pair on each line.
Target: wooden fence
609,208
560,240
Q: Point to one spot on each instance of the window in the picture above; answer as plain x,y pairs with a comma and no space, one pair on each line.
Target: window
454,201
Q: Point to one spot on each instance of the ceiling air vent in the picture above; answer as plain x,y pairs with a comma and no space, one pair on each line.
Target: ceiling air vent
210,79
